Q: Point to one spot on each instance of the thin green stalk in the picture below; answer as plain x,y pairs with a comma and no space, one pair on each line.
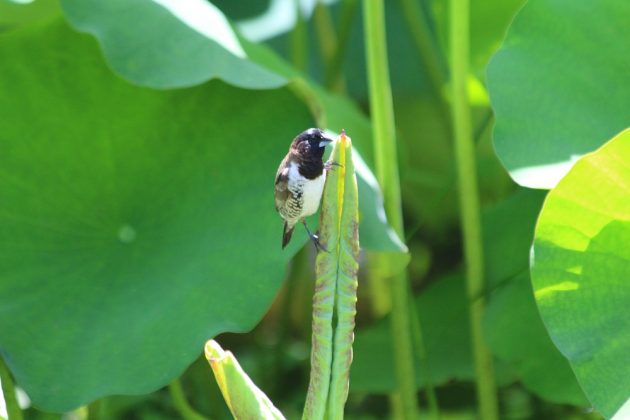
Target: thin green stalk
438,200
97,410
326,34
181,403
382,113
333,79
434,411
433,61
8,390
469,205
299,272
298,40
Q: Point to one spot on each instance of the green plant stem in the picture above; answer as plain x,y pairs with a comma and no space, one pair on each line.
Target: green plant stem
8,390
438,200
333,78
423,361
181,403
469,205
326,34
97,410
298,40
433,61
382,113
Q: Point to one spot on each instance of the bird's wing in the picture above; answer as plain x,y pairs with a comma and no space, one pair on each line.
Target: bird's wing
282,186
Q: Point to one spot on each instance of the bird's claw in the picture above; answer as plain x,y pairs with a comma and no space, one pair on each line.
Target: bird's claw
314,238
328,165
317,244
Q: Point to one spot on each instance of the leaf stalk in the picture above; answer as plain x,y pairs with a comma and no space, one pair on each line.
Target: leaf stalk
382,112
469,205
181,403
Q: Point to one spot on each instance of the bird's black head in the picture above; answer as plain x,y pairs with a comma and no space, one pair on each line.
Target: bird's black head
310,144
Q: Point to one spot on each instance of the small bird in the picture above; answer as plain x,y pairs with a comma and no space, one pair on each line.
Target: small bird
300,182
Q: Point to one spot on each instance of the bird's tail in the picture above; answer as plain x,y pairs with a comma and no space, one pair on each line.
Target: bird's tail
286,235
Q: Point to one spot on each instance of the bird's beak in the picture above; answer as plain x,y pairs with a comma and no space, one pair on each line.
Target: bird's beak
325,142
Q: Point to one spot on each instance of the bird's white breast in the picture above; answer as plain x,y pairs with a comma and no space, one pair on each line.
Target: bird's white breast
312,189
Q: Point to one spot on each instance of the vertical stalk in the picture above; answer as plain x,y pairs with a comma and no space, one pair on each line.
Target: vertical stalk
434,412
326,34
8,390
298,39
181,403
469,205
382,112
433,61
97,409
333,78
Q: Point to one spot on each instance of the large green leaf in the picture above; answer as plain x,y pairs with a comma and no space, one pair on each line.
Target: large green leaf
512,325
489,20
134,223
580,272
15,14
559,86
145,56
168,43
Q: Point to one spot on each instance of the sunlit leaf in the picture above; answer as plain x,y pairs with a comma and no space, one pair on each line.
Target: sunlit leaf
168,43
580,271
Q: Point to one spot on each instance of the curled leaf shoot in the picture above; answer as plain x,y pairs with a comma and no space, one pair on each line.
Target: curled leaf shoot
335,289
243,397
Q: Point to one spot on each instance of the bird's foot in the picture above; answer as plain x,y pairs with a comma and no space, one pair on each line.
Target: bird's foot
314,238
329,164
317,244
